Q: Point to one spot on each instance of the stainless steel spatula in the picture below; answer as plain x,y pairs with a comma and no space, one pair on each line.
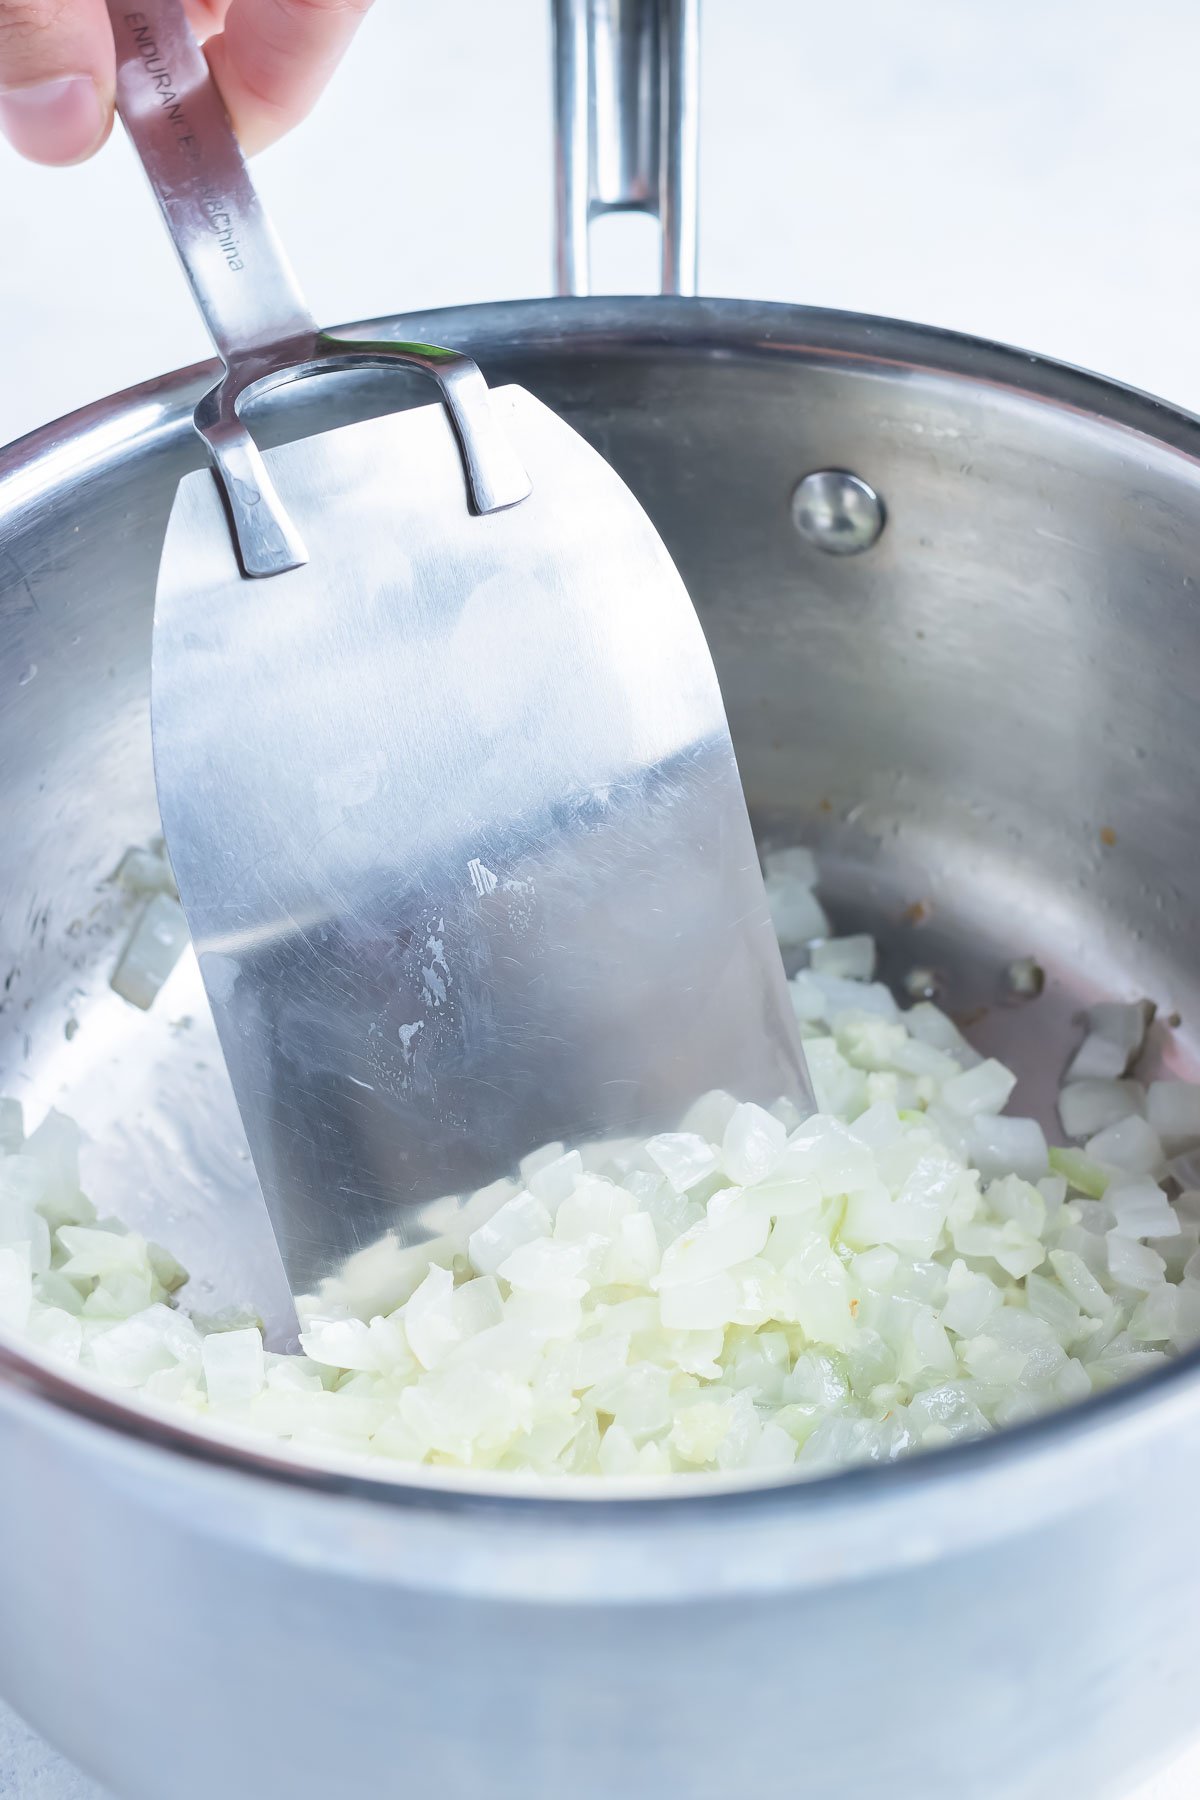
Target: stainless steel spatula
449,792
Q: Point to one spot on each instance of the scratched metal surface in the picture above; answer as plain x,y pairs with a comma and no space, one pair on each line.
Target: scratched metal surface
457,826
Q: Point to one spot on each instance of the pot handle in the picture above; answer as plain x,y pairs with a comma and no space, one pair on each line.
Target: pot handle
626,115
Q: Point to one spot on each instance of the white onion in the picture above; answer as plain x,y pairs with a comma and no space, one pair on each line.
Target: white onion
553,1180
1116,1034
930,1025
684,1157
147,871
58,1333
1173,1109
983,1089
1134,1265
1097,1059
838,996
752,1145
793,863
1086,1107
851,958
1131,1144
155,945
1156,1320
998,1145
1140,1209
233,1365
1124,1023
134,1349
518,1221
749,1293
1078,1281
796,913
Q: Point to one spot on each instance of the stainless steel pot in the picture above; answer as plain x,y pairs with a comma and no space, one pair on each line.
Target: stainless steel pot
985,724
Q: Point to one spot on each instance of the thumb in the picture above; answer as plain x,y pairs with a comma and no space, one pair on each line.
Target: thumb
56,77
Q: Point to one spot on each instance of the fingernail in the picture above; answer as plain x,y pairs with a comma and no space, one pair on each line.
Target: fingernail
53,121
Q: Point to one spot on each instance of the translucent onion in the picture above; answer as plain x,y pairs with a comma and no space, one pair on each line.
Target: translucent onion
752,1293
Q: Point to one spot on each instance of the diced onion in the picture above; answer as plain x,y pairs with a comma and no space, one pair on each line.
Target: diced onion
796,913
1141,1209
999,1145
1173,1109
983,1089
852,958
750,1293
155,945
1086,1107
1131,1144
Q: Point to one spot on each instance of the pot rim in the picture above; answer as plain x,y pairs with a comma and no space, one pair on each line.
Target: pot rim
56,455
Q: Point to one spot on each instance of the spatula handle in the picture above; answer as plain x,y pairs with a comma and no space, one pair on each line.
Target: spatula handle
178,125
247,293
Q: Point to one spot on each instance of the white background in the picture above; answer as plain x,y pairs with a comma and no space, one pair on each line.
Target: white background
1025,169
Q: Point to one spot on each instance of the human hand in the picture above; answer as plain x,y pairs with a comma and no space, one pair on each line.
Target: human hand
271,58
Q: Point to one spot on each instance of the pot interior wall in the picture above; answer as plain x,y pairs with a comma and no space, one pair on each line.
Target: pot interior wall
985,725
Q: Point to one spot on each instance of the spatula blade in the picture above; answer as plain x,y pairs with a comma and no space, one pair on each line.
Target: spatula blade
457,826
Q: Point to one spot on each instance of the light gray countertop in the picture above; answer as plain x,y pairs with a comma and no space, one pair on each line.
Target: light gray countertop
1028,172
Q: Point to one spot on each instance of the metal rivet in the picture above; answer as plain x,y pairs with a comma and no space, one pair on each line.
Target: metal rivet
837,512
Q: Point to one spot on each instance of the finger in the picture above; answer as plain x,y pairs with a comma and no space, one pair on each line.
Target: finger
205,17
56,77
273,58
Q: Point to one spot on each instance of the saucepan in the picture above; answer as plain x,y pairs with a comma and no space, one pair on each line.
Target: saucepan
984,719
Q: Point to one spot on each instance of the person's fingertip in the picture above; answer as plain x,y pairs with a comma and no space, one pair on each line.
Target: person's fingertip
58,121
274,57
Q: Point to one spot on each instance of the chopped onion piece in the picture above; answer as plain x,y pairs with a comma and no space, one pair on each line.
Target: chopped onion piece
1078,1281
983,1089
706,1303
1134,1265
1155,1319
1115,1036
233,1366
1079,1171
147,872
1130,1144
752,1145
155,945
1097,1059
796,913
1173,1108
684,1157
1122,1023
853,997
519,1221
999,1145
794,864
554,1180
851,958
1141,1209
1185,1169
930,1025
1086,1107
